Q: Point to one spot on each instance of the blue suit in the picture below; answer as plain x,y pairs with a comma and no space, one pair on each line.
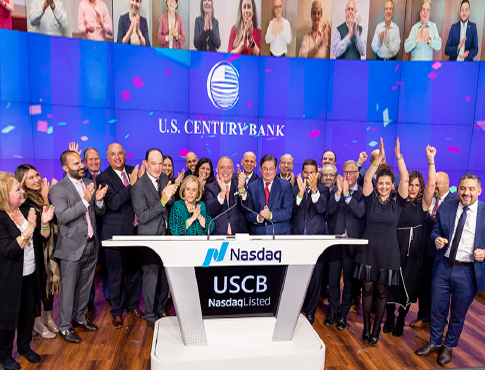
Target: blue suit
280,204
461,282
471,43
308,217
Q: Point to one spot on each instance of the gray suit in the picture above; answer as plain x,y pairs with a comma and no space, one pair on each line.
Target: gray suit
77,255
152,220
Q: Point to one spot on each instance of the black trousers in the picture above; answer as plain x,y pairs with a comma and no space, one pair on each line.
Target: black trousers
25,322
340,259
424,294
315,287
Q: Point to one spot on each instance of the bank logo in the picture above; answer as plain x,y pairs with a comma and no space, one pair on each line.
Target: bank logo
216,255
223,85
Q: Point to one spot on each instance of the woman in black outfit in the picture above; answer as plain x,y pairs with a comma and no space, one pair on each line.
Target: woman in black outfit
206,33
377,264
411,245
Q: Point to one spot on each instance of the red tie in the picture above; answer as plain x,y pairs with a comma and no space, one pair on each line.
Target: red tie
436,205
229,231
266,193
94,176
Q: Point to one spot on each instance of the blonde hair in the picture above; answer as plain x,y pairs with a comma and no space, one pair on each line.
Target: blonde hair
188,180
239,26
424,2
6,181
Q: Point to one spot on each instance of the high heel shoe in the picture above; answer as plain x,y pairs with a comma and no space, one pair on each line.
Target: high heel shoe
48,321
366,333
376,330
42,330
399,328
389,325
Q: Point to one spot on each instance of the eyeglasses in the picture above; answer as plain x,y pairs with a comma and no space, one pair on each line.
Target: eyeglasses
268,169
349,172
278,6
328,175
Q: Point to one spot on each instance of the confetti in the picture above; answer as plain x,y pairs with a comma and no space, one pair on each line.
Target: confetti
267,70
271,138
84,138
481,124
50,130
432,75
249,104
233,58
468,99
373,129
453,189
385,117
128,155
436,66
314,134
454,149
167,72
7,129
125,95
373,143
377,107
35,109
62,123
85,122
209,150
127,136
42,126
183,152
8,105
151,113
394,87
138,82
114,120
49,116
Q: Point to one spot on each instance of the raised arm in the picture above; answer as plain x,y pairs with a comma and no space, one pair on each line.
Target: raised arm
431,184
368,186
403,171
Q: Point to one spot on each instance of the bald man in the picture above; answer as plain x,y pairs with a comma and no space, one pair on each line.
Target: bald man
362,171
191,162
278,35
349,42
286,169
249,162
441,194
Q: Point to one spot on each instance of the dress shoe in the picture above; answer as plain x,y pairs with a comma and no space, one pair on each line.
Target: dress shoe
151,325
41,329
30,355
342,322
399,328
70,336
137,314
389,324
108,300
357,299
366,332
8,363
428,349
331,319
90,305
417,324
376,330
445,356
117,322
162,314
88,326
310,319
49,322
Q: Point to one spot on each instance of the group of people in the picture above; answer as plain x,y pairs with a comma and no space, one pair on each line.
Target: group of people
50,237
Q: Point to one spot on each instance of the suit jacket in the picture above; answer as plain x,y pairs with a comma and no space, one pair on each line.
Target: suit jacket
235,216
163,29
444,227
200,36
120,216
309,215
471,43
253,178
363,171
71,219
280,203
343,216
124,25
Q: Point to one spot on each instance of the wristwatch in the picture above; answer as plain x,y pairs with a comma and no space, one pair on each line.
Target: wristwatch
252,44
314,191
53,6
24,237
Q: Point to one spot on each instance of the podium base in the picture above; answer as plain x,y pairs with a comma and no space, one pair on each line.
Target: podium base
237,344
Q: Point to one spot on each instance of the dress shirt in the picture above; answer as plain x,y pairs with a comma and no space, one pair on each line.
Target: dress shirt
392,41
278,44
87,13
433,201
153,180
269,189
248,177
339,45
51,22
29,254
119,173
351,190
310,42
221,201
421,50
467,241
100,204
463,28
314,196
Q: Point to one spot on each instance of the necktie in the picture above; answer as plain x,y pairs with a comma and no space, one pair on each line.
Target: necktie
307,193
229,232
159,188
457,237
94,177
247,180
436,205
82,191
126,183
266,193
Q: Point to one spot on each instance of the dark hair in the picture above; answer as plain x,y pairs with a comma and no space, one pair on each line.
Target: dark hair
266,158
331,151
64,156
202,161
90,148
465,1
33,195
310,162
416,175
471,176
202,9
384,170
152,150
170,177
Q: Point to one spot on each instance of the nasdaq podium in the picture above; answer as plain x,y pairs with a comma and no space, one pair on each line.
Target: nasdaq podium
238,301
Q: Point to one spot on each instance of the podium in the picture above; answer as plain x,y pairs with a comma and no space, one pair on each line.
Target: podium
238,301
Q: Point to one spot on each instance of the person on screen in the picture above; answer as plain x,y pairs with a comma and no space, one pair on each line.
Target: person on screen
206,34
316,41
424,37
132,27
462,44
245,37
6,10
387,40
48,17
348,42
94,21
278,34
171,32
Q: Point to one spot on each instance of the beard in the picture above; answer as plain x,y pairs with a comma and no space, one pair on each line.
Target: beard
77,174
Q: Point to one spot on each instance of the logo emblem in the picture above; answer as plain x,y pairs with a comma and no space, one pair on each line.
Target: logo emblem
223,85
214,254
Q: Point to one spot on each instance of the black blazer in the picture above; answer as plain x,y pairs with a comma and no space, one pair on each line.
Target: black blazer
124,25
120,216
200,36
235,216
253,178
309,215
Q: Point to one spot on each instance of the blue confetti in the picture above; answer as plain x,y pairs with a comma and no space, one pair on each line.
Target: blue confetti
373,143
211,136
151,113
209,150
126,137
354,141
232,155
62,123
453,189
114,120
50,130
8,105
7,129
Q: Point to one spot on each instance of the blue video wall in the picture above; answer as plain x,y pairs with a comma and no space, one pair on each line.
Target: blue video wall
57,90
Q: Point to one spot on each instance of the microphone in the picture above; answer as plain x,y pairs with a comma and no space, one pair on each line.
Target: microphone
219,215
257,214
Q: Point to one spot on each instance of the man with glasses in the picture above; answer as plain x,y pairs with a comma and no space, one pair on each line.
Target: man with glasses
346,211
271,198
278,35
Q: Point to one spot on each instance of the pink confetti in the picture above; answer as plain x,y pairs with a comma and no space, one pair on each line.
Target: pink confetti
138,82
85,122
128,155
267,70
125,95
184,152
399,83
84,138
200,117
314,134
468,99
481,124
432,75
373,129
233,57
436,66
397,68
271,138
35,109
249,104
394,87
49,116
478,128
42,126
454,149
167,72
79,55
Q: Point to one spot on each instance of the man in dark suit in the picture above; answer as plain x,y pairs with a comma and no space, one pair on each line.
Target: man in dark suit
346,211
286,169
462,44
363,171
76,202
191,162
150,196
249,163
123,263
459,269
308,218
272,198
219,197
441,194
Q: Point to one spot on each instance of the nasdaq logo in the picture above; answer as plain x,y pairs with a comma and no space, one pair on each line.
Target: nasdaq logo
223,85
214,254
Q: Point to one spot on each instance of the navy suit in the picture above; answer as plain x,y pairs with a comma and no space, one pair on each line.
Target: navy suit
280,204
471,43
235,216
253,178
461,282
123,263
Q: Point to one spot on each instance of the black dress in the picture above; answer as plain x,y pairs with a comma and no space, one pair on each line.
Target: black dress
411,246
379,260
